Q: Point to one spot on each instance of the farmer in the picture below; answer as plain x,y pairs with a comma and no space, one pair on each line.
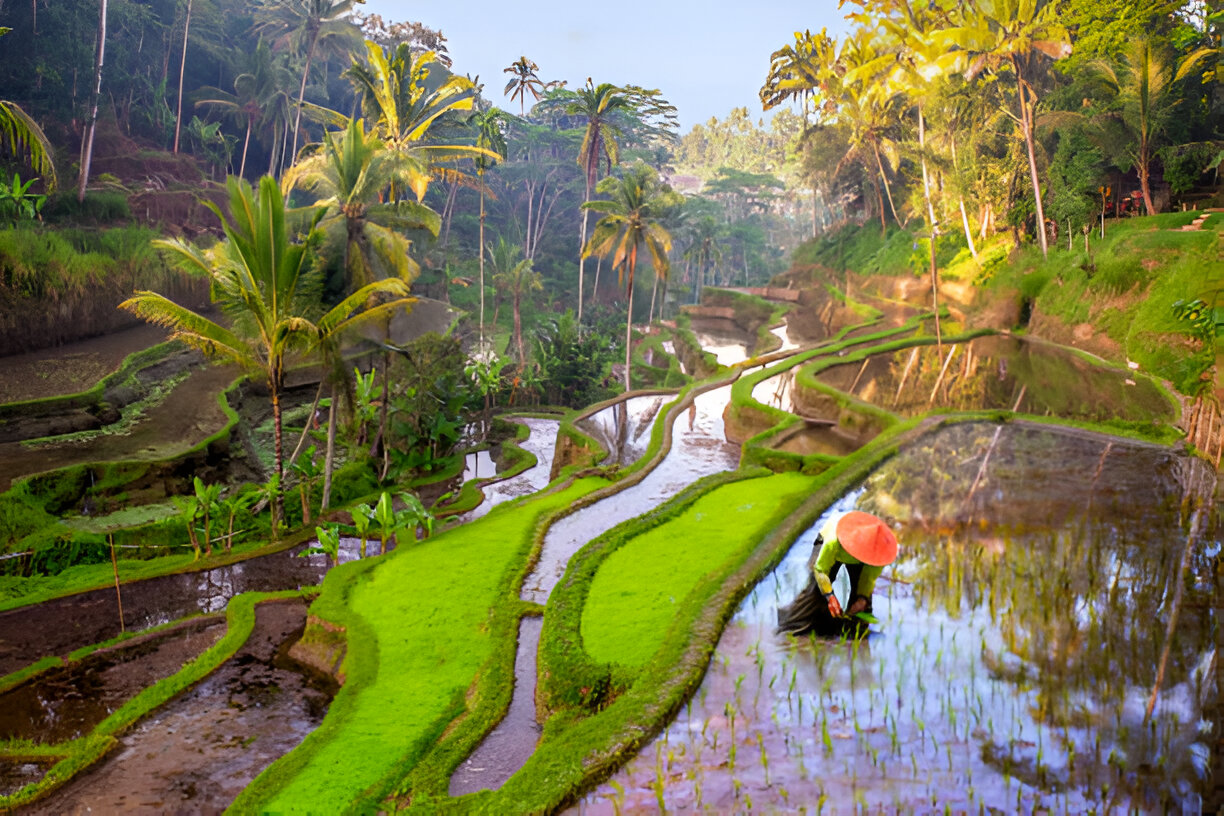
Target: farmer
864,545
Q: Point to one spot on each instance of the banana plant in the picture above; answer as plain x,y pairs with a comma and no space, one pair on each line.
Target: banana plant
415,517
307,472
207,501
17,203
328,544
385,518
232,505
363,514
189,510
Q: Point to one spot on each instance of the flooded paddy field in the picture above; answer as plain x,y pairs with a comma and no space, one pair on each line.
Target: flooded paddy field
1046,642
198,752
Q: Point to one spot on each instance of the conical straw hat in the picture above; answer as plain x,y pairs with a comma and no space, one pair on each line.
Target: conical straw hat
867,538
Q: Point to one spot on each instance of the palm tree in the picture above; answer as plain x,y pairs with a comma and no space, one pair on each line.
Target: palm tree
637,203
255,91
92,123
308,26
1143,81
349,171
268,287
518,279
21,136
797,71
597,104
490,135
522,82
998,35
405,95
703,250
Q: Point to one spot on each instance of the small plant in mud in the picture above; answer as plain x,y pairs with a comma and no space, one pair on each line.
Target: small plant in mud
308,472
328,544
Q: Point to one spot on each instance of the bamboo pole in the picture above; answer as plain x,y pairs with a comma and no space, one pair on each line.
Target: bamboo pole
942,372
115,568
905,374
859,376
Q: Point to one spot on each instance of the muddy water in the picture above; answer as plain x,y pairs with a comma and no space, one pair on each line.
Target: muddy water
66,703
514,739
724,339
623,429
699,448
1019,640
15,774
73,367
189,414
197,753
999,373
541,443
60,626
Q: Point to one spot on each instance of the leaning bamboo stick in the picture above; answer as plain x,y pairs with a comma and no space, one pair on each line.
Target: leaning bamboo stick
905,374
942,372
859,376
115,567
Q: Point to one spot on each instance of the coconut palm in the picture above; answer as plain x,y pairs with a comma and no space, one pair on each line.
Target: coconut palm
255,95
523,81
269,289
405,95
310,26
516,278
490,127
597,104
350,171
1010,35
636,204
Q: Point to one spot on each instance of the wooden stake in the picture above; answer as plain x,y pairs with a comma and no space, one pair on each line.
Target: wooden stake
905,374
942,372
859,376
115,567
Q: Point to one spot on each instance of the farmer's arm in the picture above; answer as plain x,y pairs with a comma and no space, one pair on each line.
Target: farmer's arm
862,592
824,562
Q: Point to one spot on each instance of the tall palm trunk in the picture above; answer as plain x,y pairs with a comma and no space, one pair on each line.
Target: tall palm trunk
887,187
278,507
1026,124
178,113
926,191
518,329
87,146
297,122
482,264
245,144
629,320
582,250
329,463
1143,168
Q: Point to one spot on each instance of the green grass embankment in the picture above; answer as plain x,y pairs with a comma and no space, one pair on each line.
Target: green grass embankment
417,631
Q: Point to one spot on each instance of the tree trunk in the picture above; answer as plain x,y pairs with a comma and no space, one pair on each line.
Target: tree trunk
1026,124
99,58
178,113
245,143
480,176
926,191
329,463
518,330
382,420
582,254
297,122
1142,166
968,232
629,320
278,507
653,291
887,187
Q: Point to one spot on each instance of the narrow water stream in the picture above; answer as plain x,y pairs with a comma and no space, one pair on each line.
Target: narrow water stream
541,443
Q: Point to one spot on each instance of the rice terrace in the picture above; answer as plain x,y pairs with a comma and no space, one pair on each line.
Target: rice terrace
835,428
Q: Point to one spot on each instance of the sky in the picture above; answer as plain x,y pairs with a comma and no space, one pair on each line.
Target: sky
706,57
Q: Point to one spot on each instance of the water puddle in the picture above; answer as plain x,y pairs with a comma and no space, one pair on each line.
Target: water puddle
1020,638
479,465
541,443
998,372
66,703
699,448
514,739
198,752
60,626
15,774
623,428
724,339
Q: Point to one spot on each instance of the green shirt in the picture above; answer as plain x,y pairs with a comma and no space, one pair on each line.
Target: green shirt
831,551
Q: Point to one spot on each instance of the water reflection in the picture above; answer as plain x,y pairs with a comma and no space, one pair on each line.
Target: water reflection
623,428
541,443
722,338
998,372
1021,635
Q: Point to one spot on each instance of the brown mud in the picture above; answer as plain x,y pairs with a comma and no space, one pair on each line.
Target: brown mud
65,703
196,754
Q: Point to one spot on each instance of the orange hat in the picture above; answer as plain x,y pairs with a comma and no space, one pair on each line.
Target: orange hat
867,538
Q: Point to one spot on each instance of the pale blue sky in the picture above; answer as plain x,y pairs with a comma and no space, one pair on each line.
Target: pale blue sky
706,57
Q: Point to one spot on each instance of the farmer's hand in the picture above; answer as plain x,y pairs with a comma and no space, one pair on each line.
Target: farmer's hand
834,607
859,605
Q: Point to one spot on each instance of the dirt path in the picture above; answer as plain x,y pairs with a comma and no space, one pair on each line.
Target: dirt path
73,367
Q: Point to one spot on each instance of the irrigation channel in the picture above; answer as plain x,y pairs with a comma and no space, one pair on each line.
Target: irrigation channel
1045,643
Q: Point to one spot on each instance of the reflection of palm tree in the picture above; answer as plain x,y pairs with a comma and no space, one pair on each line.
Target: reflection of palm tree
632,217
269,287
